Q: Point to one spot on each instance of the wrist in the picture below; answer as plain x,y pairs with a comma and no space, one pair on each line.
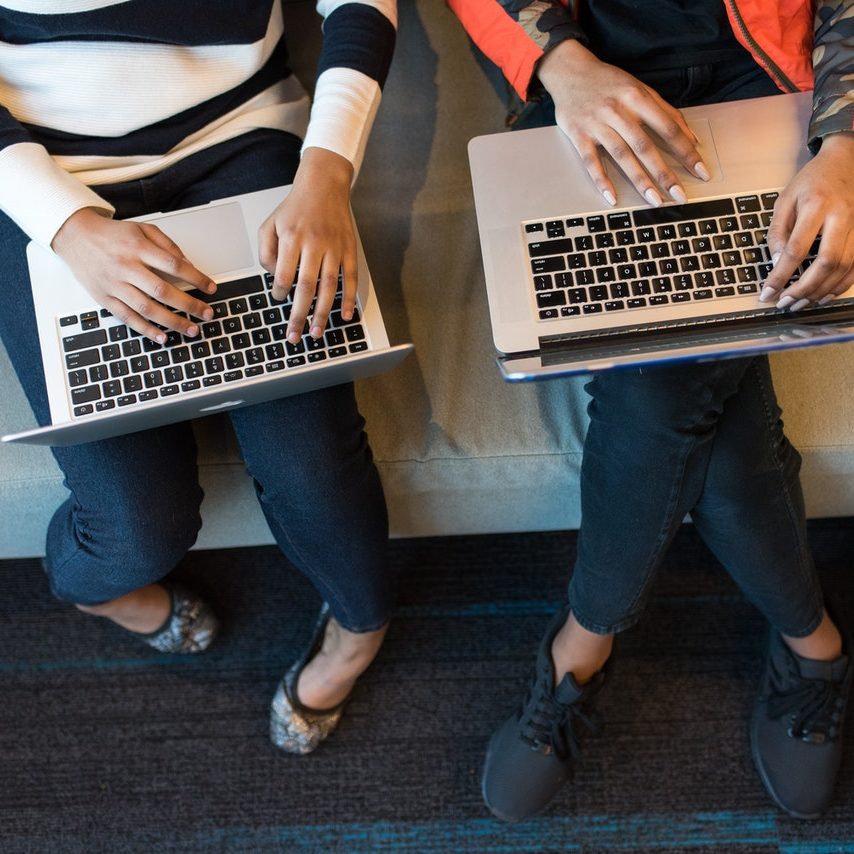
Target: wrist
839,142
321,164
81,220
561,60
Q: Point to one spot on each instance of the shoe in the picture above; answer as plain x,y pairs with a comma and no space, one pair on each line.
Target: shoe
190,627
295,728
531,755
796,729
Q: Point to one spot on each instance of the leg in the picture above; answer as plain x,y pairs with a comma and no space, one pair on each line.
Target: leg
119,531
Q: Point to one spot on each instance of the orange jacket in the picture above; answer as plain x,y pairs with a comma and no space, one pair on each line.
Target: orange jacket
801,45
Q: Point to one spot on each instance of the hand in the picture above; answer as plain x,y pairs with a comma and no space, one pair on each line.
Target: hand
118,263
819,200
313,229
600,106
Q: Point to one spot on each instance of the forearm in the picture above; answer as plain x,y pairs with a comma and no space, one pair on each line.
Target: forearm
357,50
516,39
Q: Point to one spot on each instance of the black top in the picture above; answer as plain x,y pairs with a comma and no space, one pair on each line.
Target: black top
648,34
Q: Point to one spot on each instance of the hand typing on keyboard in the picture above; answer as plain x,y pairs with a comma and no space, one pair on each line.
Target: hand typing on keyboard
600,105
819,201
312,230
118,264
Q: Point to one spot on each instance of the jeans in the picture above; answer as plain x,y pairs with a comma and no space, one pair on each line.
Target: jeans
704,439
133,508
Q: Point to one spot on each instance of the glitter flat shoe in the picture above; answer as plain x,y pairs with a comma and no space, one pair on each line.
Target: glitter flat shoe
294,727
190,627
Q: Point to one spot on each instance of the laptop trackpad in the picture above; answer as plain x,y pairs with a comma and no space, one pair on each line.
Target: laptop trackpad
214,238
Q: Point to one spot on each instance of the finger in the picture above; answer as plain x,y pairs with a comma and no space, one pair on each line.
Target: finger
648,155
304,291
327,286
590,157
788,256
171,260
268,245
625,158
670,125
123,312
350,276
284,270
830,266
155,294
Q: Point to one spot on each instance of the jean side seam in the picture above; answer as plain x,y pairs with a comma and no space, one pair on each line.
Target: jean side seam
804,561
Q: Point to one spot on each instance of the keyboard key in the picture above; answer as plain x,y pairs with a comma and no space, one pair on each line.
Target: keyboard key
768,200
113,388
725,276
646,235
255,356
77,378
153,379
683,282
661,285
233,361
746,204
98,373
316,357
596,223
119,369
311,344
604,240
681,296
619,220
584,277
592,308
262,336
231,324
750,288
356,333
703,294
576,261
220,346
89,320
639,253
620,289
722,241
659,299
614,305
213,329
666,232
725,292
746,274
84,340
543,248
173,338
131,348
277,351
749,221
150,346
295,361
220,310
625,238
598,292
358,347
712,261
104,405
691,210
627,271
214,365
258,301
70,320
335,352
254,371
173,375
131,384
232,376
160,359
686,229
618,256
126,399
87,394
570,311
636,302
238,306
150,394
532,227
548,313
216,379
606,274
190,385
272,315
641,287
194,369
583,243
118,333
577,295
140,364
241,341
554,228
575,222
707,226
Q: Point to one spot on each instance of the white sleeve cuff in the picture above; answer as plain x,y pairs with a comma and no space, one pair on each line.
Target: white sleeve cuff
345,104
38,194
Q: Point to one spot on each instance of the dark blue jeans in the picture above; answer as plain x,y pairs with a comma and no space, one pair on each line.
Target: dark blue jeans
133,510
704,439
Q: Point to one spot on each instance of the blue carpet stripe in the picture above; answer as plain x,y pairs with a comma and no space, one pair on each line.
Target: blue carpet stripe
513,608
714,830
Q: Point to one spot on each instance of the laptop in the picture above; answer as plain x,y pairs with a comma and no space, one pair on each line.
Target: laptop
575,287
104,379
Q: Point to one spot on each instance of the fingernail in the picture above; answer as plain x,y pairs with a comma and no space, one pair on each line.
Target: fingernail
652,197
701,172
801,303
212,287
785,302
192,331
161,339
775,258
826,299
610,198
316,332
678,193
767,293
293,337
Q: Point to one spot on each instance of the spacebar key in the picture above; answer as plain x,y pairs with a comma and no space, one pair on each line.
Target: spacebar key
230,290
675,213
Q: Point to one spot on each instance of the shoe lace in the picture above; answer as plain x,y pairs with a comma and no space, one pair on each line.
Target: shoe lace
551,726
815,705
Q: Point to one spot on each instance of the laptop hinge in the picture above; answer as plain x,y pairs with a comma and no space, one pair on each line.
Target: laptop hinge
725,326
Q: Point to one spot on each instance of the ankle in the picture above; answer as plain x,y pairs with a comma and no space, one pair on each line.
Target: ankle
824,644
143,610
580,652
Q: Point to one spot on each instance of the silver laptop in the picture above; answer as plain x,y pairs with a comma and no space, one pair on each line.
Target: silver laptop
103,379
575,287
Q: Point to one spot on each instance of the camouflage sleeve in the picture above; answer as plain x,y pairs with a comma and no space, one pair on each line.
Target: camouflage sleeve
546,22
833,63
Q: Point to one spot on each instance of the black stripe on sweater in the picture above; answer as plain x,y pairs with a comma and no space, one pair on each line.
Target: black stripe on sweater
359,37
189,23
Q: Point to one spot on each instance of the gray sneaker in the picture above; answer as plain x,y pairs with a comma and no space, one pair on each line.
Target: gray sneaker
796,730
531,755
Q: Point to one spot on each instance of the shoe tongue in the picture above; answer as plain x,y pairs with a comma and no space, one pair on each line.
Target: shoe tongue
568,690
829,671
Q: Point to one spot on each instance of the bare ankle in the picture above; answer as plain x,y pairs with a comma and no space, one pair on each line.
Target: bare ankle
580,652
824,644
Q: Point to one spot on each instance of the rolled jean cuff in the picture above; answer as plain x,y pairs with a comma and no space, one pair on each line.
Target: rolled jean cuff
599,628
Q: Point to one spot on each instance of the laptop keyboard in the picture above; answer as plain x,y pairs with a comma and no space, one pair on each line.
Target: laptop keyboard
109,365
619,261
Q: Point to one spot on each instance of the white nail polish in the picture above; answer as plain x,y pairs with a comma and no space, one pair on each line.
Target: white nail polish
785,302
767,294
775,258
701,171
609,198
652,197
826,299
801,303
678,194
